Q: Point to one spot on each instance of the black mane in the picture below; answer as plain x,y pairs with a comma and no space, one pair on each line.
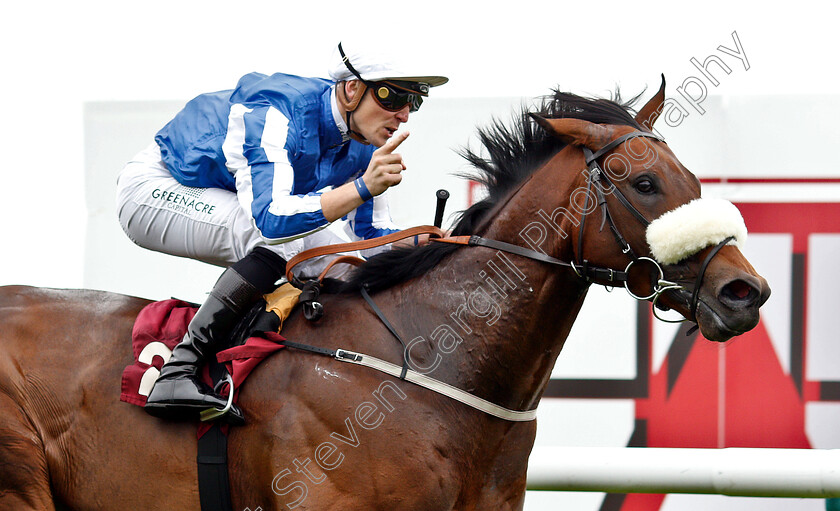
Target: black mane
513,154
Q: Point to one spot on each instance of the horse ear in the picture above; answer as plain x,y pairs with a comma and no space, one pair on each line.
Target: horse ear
650,112
576,131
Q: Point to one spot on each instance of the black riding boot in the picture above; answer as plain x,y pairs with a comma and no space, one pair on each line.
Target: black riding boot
178,392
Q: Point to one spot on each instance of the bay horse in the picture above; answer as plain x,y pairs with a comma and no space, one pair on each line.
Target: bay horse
323,434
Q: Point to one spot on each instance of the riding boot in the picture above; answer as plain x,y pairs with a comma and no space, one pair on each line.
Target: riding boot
179,392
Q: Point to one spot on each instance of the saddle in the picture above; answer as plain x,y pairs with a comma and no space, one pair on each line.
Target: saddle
162,325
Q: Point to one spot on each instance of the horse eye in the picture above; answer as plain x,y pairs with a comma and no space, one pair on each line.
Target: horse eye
645,186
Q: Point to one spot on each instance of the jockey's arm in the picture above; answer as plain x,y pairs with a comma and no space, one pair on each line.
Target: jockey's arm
383,172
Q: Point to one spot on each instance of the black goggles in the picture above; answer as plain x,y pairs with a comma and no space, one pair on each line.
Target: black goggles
393,96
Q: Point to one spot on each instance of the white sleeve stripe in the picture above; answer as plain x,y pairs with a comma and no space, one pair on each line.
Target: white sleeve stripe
235,139
235,160
290,205
275,132
283,203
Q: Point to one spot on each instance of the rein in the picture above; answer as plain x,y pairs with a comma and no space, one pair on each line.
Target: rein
586,271
338,248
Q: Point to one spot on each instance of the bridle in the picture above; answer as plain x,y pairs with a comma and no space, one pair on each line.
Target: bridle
596,173
599,180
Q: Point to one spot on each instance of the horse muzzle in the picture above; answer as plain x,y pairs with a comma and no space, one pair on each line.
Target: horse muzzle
730,306
699,245
729,297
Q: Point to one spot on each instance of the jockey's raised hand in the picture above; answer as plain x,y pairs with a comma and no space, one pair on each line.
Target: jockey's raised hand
386,166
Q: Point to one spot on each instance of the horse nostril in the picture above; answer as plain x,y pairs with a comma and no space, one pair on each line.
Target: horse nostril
740,293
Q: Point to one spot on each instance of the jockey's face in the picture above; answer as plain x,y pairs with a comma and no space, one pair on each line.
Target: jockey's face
372,121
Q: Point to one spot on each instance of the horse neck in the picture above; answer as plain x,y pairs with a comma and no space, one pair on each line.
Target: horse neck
511,314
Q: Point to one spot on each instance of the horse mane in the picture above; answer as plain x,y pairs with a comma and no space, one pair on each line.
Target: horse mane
513,153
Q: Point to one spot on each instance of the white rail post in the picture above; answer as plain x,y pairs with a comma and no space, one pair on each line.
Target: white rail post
751,472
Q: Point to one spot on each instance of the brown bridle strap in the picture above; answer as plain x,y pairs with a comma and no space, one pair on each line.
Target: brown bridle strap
455,240
431,230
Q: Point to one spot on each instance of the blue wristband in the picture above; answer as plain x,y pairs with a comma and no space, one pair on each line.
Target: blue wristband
362,188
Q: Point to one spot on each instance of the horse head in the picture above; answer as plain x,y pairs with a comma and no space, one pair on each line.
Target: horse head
636,208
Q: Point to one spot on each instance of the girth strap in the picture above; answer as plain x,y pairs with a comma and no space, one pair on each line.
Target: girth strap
211,459
213,479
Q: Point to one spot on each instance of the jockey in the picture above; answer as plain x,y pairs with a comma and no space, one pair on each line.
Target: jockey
247,178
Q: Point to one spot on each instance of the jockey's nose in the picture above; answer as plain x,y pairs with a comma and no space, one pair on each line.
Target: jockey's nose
402,115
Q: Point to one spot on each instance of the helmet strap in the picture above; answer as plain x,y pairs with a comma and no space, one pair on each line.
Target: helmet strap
350,107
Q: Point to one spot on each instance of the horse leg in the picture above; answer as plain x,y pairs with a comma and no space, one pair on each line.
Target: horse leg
24,477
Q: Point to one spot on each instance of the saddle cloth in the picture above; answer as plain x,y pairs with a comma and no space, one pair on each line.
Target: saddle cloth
162,325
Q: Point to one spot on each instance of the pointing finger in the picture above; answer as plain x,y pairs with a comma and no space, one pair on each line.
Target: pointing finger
394,142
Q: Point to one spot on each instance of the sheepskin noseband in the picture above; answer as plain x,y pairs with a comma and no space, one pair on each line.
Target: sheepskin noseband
686,230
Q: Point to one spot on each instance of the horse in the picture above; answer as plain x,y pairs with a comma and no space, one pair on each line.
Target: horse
571,185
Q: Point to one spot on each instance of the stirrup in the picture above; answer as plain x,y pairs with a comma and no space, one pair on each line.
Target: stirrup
214,413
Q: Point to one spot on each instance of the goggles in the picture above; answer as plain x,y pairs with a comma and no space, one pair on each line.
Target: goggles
392,95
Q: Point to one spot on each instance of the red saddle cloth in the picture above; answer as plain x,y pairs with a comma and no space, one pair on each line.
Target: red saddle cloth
162,325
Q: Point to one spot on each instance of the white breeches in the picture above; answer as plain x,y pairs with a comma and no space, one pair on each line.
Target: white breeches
206,224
